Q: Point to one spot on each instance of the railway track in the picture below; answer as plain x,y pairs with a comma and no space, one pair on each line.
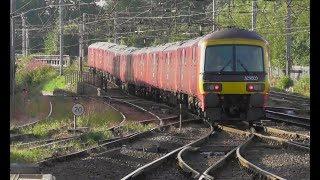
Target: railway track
30,125
119,131
290,111
151,154
126,156
273,158
293,137
291,97
54,141
32,176
22,138
199,162
287,118
224,161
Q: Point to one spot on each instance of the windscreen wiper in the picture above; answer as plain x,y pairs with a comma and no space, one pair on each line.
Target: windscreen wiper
225,66
243,66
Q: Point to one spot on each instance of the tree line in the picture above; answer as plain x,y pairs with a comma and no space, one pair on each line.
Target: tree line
142,23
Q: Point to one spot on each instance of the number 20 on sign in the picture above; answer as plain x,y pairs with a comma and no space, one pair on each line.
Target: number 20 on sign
78,109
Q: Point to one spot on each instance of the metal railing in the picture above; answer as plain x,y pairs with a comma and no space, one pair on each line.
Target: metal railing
53,60
95,79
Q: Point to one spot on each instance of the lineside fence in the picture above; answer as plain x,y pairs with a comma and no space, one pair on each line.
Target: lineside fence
297,72
95,79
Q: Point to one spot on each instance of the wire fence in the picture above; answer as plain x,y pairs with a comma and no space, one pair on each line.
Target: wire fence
297,72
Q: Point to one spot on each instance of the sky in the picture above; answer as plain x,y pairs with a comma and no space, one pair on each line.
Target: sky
100,2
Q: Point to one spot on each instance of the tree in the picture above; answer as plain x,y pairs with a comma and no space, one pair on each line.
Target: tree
51,42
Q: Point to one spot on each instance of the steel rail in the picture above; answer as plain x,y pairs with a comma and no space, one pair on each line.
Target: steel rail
299,121
275,93
245,163
184,166
282,132
105,146
50,110
288,115
271,108
199,175
160,120
32,176
251,166
284,141
148,167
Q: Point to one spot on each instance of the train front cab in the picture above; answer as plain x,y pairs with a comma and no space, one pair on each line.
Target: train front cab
235,89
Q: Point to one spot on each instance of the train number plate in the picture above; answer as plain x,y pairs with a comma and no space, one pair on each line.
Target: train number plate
250,78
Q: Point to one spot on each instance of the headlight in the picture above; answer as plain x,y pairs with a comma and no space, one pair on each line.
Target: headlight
212,87
257,87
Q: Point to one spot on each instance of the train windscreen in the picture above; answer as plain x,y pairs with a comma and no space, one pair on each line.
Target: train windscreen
234,58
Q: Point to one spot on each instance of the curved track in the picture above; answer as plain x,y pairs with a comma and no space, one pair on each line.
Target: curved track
125,156
274,158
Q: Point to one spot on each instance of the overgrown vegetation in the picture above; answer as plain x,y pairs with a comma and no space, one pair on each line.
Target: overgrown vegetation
284,82
56,83
104,118
33,75
300,86
92,137
44,127
27,155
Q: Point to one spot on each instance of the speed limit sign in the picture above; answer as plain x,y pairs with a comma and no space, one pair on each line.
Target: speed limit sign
78,109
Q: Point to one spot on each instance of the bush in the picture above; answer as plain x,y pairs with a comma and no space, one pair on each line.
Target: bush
302,86
285,82
34,74
95,136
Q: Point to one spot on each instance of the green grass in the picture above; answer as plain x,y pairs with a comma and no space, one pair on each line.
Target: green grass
95,136
300,87
62,107
97,115
100,119
28,155
30,107
44,127
13,129
56,83
91,139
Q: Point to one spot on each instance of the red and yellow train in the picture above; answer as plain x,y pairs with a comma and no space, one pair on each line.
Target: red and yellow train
223,75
